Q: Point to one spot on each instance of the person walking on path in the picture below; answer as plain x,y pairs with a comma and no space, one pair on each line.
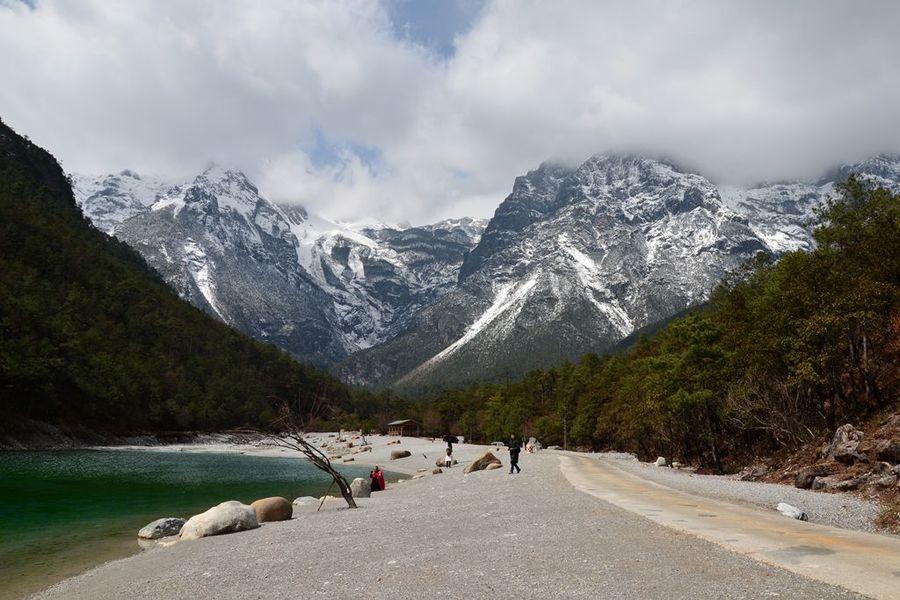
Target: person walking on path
514,448
448,460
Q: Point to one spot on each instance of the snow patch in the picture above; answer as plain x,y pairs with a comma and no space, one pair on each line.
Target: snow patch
592,277
198,266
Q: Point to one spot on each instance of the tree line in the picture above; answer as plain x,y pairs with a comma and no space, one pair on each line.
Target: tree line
782,353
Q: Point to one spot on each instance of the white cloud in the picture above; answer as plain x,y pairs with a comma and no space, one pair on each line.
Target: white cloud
742,91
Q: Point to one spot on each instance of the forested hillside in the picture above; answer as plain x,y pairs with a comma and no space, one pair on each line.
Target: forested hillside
90,336
781,354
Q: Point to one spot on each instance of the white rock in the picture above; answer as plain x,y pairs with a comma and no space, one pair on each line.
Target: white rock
361,488
302,500
227,517
791,511
661,461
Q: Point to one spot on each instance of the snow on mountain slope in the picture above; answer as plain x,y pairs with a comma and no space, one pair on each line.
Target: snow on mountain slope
318,289
575,259
609,247
110,199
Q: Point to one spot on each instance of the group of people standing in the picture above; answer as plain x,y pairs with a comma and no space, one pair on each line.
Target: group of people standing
514,445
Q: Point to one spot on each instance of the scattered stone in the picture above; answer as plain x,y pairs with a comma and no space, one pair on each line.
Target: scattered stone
304,500
482,462
849,484
275,508
161,528
349,459
661,461
825,483
844,445
676,464
882,475
437,471
805,476
397,454
361,488
752,473
888,450
227,517
418,476
791,511
554,447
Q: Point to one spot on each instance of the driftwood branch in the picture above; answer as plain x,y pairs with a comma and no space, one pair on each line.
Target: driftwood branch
293,437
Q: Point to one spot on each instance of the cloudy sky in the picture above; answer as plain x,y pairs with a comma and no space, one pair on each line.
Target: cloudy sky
423,109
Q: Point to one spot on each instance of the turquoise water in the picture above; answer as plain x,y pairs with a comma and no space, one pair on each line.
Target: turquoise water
63,512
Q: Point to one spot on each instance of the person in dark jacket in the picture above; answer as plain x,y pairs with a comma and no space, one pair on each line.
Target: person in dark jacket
514,448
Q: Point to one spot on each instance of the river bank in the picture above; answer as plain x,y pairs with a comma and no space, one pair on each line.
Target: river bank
440,497
454,536
63,512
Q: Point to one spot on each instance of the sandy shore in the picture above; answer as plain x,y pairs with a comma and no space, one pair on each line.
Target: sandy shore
424,451
449,535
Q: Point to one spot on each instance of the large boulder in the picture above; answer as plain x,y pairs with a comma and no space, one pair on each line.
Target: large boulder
482,462
275,508
227,517
395,454
361,488
661,461
805,476
844,446
161,528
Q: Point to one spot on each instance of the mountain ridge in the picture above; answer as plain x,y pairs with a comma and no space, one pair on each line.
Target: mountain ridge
620,241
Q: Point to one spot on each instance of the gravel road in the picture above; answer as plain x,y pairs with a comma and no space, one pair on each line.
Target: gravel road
484,535
838,510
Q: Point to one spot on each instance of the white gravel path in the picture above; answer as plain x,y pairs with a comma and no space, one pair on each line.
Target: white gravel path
838,510
484,535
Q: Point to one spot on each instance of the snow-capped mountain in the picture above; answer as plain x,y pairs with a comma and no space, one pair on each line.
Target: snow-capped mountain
318,289
576,259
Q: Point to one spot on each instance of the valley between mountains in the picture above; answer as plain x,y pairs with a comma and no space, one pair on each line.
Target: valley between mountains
622,242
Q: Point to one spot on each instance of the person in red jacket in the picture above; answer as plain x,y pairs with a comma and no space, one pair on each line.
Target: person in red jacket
376,479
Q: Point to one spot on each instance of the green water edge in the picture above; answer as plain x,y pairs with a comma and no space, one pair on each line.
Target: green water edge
63,512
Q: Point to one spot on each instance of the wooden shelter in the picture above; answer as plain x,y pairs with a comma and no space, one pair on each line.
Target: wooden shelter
403,427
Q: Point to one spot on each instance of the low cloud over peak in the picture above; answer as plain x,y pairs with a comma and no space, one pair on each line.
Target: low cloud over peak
340,106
